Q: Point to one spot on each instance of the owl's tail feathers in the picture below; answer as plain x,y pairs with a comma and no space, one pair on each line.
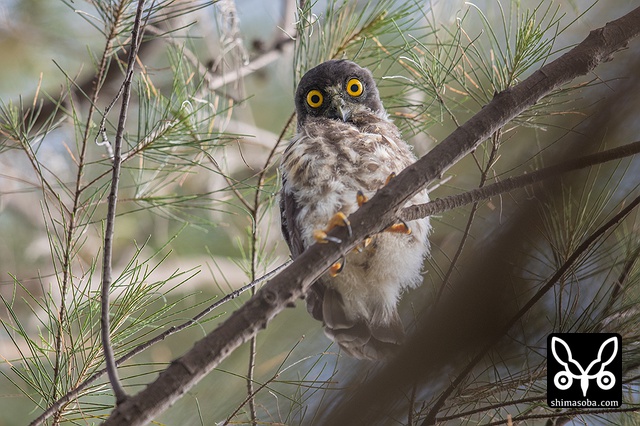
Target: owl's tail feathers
359,338
367,341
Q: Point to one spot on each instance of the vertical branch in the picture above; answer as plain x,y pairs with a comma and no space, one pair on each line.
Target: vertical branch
254,264
252,343
72,223
111,212
288,13
495,139
254,211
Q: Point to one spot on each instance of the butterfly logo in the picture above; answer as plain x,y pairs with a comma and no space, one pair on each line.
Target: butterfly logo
564,379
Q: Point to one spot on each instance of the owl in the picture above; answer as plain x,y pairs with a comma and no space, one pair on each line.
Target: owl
344,150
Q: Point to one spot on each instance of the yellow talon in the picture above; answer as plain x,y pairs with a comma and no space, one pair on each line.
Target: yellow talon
361,198
338,219
364,244
336,268
320,236
399,228
391,176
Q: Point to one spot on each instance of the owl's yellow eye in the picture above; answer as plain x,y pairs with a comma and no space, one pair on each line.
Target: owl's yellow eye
314,98
354,87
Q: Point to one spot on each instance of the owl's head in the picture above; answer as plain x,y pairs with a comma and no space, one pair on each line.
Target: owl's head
337,89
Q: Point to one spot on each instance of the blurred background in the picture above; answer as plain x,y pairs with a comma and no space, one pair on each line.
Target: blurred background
197,213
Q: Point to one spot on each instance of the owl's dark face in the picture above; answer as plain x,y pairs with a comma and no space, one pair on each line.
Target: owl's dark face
336,89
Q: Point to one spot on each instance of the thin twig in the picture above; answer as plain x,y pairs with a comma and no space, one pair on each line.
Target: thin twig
495,139
254,212
620,283
412,403
568,414
252,395
466,414
250,376
286,23
110,362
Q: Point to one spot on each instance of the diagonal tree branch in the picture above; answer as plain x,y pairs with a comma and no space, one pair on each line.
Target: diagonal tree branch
440,205
290,284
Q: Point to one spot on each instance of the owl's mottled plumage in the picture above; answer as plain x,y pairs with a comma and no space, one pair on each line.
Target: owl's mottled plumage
345,145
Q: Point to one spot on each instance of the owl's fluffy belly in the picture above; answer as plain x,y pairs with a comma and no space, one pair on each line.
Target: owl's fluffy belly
372,280
322,173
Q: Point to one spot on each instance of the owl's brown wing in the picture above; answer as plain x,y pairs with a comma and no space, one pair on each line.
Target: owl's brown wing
290,228
291,232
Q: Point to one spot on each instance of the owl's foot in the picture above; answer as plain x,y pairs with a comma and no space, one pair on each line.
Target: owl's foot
338,219
398,228
321,236
361,199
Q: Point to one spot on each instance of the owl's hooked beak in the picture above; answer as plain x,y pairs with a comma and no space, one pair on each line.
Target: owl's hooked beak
340,109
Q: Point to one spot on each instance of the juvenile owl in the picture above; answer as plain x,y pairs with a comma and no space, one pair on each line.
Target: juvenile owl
344,150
